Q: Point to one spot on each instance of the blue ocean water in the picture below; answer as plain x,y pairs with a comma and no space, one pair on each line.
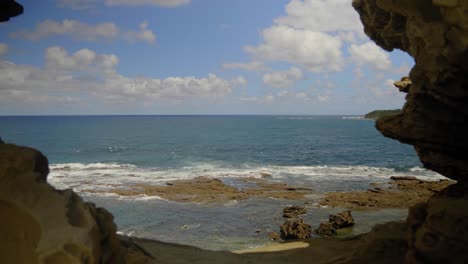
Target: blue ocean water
325,153
175,141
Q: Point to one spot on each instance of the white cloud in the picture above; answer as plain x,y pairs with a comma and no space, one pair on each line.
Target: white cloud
249,66
321,16
164,3
316,51
93,74
84,31
283,79
370,53
3,49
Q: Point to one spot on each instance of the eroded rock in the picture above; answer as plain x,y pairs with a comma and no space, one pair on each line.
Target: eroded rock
295,229
341,220
293,211
325,229
42,225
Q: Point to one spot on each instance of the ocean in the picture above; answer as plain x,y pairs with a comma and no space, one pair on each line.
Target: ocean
325,153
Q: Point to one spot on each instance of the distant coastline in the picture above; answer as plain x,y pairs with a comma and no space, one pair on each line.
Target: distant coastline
376,114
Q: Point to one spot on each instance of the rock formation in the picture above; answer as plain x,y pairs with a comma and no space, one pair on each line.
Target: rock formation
42,225
293,211
434,118
8,9
295,229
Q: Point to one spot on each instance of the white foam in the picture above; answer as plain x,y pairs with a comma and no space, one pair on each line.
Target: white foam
106,176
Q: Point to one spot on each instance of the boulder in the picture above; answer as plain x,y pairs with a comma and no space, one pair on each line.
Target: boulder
295,229
341,220
40,224
293,211
325,229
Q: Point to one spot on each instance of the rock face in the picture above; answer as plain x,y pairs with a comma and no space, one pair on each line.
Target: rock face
42,225
434,118
435,34
8,9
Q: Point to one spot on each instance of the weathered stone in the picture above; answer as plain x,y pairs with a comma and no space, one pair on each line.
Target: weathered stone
274,236
42,225
404,84
9,9
293,211
325,229
341,220
435,34
295,229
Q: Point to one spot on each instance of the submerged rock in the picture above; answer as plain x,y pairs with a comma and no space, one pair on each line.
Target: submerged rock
295,229
341,220
293,211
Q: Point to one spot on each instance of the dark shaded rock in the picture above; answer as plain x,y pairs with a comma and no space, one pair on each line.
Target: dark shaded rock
274,236
435,34
1,141
295,229
438,230
45,225
293,211
341,220
8,9
325,229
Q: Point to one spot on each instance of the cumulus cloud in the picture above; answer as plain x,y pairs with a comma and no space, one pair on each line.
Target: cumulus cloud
93,74
370,53
164,3
84,31
321,16
283,79
3,49
315,51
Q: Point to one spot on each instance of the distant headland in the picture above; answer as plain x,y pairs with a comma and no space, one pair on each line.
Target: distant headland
376,114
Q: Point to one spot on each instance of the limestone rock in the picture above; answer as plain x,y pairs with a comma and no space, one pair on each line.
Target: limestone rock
435,34
404,84
439,229
295,229
325,229
42,225
341,220
293,211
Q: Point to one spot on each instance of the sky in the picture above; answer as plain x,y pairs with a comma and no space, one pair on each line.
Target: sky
80,57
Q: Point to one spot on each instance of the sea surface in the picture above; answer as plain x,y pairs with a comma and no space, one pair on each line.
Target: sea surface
325,153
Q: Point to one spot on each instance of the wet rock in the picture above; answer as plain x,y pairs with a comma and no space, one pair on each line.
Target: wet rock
274,236
341,220
293,211
265,175
325,229
295,229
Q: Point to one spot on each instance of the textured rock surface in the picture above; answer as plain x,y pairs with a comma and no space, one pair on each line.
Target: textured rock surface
42,225
295,229
293,211
434,118
325,229
439,229
341,220
404,84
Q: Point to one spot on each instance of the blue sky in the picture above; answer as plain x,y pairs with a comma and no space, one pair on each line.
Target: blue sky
194,57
